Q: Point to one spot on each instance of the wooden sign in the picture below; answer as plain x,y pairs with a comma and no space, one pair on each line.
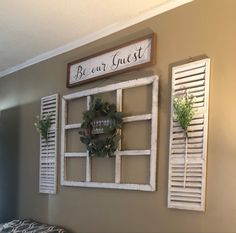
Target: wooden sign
131,55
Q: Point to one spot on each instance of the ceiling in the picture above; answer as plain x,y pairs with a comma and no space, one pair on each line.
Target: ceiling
34,30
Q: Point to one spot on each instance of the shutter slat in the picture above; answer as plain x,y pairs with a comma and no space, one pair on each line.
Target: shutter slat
189,76
187,157
189,85
187,199
182,146
191,128
183,194
189,66
194,91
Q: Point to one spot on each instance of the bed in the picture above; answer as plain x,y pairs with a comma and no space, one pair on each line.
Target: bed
29,226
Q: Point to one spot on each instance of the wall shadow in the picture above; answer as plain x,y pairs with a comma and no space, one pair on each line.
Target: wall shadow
9,131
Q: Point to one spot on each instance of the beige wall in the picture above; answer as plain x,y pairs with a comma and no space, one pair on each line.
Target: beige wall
205,27
9,124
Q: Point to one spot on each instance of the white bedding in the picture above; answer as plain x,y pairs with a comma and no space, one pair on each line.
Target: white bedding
1,225
28,226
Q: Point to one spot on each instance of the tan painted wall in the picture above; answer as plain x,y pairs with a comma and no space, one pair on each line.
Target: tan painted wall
205,27
8,164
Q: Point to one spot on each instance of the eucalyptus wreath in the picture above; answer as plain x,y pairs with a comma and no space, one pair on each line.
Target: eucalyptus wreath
43,125
105,142
183,110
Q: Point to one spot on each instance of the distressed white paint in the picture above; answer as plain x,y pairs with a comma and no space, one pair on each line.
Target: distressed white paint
118,87
88,159
138,187
63,138
112,87
187,171
143,117
72,126
154,134
133,152
75,154
118,152
119,104
48,151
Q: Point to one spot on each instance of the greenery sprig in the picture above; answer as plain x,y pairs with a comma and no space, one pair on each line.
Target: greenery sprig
105,143
183,110
43,125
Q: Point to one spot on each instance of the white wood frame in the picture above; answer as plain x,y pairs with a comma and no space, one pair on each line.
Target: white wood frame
118,87
188,157
48,152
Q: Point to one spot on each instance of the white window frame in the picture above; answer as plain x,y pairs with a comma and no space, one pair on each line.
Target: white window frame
118,87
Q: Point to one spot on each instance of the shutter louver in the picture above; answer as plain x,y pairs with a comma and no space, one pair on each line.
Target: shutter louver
48,151
187,157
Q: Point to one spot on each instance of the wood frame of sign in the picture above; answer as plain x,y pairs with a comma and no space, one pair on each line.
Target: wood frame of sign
135,54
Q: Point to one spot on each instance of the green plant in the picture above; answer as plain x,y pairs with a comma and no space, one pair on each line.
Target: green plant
43,125
104,140
183,110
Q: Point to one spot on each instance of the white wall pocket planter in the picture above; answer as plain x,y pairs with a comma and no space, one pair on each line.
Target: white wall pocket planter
152,117
188,155
48,150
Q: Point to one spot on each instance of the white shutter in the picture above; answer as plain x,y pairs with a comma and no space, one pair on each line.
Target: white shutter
48,151
187,171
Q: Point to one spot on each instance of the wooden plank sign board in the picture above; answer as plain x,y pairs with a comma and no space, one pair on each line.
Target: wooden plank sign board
131,55
188,156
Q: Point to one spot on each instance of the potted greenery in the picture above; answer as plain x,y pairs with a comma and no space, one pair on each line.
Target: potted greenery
43,125
183,110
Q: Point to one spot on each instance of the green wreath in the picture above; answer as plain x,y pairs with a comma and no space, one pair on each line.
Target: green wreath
99,130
